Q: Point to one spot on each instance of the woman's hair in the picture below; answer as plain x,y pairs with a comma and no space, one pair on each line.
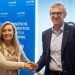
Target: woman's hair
15,41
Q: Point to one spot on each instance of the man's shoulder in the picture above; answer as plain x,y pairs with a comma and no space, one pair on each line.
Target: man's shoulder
47,30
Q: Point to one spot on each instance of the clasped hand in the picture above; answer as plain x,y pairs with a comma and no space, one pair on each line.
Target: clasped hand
31,66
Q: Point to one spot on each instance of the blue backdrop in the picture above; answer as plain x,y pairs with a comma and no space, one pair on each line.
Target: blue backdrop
22,14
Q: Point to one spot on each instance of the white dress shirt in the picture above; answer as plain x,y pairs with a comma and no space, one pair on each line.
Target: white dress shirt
55,47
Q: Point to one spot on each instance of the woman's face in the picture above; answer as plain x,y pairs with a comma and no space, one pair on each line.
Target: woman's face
7,32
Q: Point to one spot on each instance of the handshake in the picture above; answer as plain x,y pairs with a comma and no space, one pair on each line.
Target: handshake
31,66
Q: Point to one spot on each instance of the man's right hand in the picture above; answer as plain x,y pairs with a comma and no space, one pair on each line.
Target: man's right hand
33,66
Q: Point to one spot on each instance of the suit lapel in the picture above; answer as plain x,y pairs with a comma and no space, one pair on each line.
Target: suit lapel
49,38
49,34
65,37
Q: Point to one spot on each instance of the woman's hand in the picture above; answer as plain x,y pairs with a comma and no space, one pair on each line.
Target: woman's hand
40,73
28,66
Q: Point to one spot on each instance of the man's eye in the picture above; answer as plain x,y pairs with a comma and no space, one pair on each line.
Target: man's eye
58,13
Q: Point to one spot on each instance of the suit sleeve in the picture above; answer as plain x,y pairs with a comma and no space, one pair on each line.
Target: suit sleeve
42,60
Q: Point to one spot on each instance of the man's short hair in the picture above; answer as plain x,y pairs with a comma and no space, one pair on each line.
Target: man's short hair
58,4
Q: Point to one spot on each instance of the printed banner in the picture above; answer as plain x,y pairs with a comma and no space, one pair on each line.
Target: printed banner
22,14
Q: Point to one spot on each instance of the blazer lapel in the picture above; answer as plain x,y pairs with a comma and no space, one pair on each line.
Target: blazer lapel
49,34
65,37
49,38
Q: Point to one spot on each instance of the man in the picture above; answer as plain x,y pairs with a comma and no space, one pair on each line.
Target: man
58,55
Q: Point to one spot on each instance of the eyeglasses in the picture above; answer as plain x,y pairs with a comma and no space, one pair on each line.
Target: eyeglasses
56,13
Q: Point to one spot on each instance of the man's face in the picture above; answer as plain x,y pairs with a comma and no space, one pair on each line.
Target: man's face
57,15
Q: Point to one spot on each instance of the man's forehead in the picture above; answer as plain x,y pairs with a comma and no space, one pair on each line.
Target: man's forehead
57,9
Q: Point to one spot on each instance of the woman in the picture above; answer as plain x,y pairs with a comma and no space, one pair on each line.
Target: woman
10,51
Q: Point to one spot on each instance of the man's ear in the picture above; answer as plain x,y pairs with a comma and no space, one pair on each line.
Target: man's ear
65,14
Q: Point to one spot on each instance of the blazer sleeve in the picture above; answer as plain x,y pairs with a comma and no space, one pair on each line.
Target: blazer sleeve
23,58
43,57
10,64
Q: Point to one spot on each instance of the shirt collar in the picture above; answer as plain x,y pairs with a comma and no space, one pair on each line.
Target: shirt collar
61,29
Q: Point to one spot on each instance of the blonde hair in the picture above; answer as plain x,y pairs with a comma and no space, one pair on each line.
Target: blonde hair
15,41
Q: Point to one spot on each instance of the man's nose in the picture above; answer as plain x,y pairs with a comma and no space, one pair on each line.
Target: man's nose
55,15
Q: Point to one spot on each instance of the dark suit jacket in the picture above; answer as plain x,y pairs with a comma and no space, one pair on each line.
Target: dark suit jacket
67,50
